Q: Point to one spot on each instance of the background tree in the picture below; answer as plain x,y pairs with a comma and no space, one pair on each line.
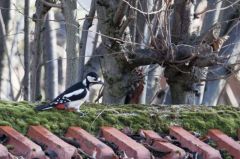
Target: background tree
69,11
181,50
137,44
50,56
39,19
26,80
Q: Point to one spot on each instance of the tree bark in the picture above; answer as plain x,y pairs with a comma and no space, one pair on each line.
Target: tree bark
83,42
69,11
209,20
183,53
2,48
39,18
26,80
50,59
5,12
178,76
153,84
6,90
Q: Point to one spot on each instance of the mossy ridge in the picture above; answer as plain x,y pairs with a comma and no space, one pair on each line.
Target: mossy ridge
159,118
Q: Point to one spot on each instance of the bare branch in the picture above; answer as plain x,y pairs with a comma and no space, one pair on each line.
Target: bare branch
208,60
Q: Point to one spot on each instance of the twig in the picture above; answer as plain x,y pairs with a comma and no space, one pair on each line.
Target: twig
100,94
98,116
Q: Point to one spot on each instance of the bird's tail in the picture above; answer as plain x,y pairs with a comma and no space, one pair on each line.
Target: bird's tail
43,107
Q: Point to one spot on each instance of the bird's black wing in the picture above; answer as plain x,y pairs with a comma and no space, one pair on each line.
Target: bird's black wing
73,93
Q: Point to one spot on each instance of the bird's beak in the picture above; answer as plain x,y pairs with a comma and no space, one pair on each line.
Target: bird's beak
100,82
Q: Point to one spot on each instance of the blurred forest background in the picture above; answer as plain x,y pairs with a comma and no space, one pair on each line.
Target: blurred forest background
147,51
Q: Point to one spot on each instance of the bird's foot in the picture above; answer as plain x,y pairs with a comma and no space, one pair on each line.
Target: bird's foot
82,114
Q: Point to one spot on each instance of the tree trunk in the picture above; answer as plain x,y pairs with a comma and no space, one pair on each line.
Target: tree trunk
6,90
116,75
26,80
93,64
69,11
178,76
114,91
141,21
39,18
153,84
179,83
83,42
5,17
2,49
50,58
5,12
209,20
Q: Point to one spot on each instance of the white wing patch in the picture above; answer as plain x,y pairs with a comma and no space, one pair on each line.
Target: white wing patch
84,82
77,92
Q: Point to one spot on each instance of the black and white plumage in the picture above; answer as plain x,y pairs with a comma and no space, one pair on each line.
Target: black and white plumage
74,96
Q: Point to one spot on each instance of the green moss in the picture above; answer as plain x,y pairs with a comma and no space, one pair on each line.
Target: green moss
4,123
21,115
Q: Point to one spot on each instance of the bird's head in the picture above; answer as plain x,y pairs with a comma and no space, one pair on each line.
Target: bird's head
92,78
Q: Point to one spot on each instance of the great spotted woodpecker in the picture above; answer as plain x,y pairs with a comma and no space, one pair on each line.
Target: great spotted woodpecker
73,97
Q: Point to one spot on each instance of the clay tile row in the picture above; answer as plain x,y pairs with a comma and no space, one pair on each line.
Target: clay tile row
192,143
89,144
113,145
225,142
127,145
160,144
51,144
20,145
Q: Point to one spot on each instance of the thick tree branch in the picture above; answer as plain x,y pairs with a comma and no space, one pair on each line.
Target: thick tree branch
125,25
208,60
182,19
145,57
180,54
121,10
49,4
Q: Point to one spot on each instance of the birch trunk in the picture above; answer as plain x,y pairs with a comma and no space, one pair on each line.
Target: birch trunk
69,11
50,58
